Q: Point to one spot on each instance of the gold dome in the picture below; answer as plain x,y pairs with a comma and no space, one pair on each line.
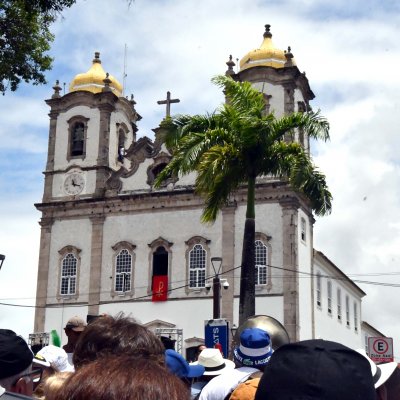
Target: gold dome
93,80
267,55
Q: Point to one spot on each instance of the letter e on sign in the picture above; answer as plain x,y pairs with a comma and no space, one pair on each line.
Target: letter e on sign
380,349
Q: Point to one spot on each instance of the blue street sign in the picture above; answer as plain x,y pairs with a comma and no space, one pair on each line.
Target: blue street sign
217,335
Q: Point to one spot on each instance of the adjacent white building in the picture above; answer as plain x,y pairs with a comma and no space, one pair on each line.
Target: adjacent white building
111,242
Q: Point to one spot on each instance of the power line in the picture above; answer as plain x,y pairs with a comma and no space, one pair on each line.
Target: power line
307,275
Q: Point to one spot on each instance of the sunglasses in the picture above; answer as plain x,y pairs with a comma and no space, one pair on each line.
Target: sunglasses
35,375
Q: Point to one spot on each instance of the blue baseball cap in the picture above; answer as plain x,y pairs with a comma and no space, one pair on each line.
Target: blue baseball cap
180,367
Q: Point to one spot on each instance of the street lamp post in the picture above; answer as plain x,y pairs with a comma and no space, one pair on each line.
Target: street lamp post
216,263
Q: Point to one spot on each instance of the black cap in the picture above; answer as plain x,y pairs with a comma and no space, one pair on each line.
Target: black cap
15,354
316,369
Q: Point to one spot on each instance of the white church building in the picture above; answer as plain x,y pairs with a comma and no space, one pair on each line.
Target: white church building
109,239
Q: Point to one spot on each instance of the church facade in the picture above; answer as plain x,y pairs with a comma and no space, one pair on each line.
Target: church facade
111,242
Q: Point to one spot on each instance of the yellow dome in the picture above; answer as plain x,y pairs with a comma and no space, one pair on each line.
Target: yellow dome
267,55
93,80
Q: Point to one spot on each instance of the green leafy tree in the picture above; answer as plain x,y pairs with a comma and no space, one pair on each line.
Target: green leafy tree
230,148
25,38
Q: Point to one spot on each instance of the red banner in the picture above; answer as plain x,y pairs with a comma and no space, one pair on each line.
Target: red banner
160,288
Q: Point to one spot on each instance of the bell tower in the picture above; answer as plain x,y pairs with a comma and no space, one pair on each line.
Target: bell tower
90,129
275,74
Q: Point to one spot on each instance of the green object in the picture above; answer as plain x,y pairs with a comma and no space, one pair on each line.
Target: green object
55,338
26,39
232,147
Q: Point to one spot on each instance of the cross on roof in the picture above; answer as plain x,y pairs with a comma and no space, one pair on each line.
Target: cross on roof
168,102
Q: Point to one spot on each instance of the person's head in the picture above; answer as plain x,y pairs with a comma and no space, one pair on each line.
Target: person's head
73,329
181,368
213,363
254,350
116,335
52,360
52,384
199,349
314,370
121,377
16,373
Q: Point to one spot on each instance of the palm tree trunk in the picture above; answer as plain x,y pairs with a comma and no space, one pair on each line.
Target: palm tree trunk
247,303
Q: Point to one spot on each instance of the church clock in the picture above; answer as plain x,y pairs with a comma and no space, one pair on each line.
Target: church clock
74,183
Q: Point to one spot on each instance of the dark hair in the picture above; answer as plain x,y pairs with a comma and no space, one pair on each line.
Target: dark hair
121,377
116,335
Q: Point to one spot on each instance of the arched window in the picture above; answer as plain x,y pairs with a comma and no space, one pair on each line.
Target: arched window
77,136
197,267
123,272
123,268
78,139
197,263
261,258
68,275
160,260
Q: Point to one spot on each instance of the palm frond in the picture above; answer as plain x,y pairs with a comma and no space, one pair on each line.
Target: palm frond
241,95
306,178
219,174
311,123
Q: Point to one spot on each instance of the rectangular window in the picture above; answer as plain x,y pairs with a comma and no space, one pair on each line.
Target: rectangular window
318,289
339,304
355,316
329,286
303,230
347,310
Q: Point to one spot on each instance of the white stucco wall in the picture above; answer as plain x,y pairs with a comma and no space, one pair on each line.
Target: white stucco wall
305,280
327,325
138,180
269,222
75,233
277,100
141,229
92,142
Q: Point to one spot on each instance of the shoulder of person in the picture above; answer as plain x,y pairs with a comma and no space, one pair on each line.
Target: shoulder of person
245,390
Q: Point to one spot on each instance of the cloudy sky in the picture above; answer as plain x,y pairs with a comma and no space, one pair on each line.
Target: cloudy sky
350,52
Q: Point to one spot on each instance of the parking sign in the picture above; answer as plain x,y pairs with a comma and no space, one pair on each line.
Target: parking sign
380,349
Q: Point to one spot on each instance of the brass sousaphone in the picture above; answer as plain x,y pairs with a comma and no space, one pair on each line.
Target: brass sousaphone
275,329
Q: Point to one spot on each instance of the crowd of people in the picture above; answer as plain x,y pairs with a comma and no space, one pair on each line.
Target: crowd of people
116,358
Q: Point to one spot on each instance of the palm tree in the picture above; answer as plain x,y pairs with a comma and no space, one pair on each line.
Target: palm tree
230,148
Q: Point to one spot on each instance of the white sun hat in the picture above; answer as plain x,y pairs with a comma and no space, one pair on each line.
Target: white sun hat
53,356
213,362
380,372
